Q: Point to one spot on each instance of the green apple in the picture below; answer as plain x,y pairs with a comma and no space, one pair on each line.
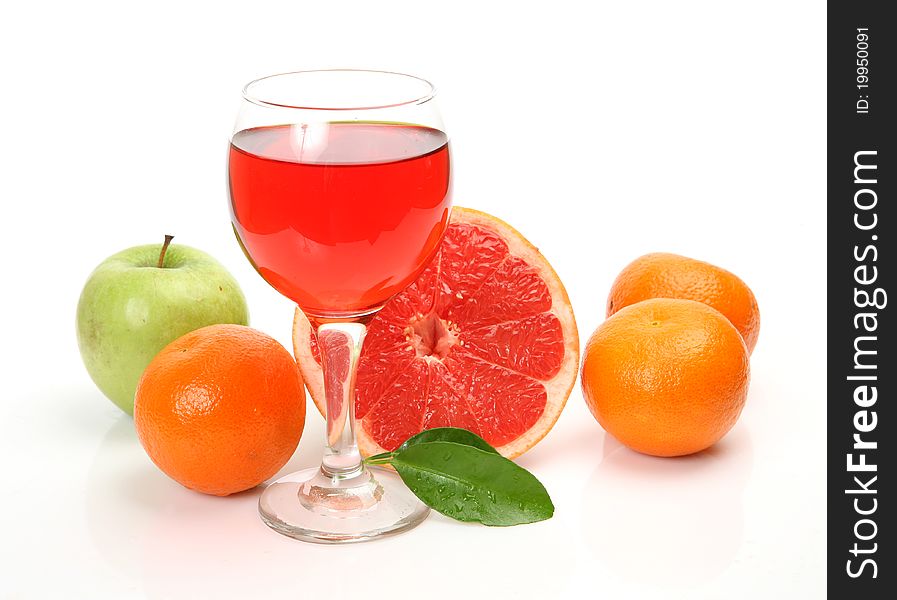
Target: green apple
137,301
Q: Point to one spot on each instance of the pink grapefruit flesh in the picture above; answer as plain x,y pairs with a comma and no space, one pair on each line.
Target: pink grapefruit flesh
484,339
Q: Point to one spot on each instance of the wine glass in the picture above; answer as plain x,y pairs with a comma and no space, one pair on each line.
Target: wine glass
340,193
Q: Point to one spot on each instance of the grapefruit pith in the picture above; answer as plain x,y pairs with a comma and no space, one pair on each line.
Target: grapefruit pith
484,339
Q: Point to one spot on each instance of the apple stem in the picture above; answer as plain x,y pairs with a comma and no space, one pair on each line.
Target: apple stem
168,239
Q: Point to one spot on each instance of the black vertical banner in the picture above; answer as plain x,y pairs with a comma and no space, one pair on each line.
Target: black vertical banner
862,371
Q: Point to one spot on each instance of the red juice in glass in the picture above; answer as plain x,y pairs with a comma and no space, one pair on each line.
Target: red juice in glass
339,217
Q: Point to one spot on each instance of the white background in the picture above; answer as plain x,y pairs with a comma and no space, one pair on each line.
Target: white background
601,134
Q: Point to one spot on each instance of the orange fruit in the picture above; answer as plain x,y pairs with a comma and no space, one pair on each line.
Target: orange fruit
666,377
662,275
484,340
220,409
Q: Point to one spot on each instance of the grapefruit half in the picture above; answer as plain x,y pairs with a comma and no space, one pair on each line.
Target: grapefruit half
484,340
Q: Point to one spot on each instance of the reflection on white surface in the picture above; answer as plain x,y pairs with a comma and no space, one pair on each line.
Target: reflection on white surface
626,526
116,493
172,542
668,522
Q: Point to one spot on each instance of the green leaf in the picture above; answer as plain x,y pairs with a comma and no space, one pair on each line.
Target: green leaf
459,474
447,434
469,484
384,458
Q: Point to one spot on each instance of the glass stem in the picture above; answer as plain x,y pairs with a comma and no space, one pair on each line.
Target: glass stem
340,345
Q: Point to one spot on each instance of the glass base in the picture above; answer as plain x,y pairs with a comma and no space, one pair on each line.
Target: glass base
312,506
